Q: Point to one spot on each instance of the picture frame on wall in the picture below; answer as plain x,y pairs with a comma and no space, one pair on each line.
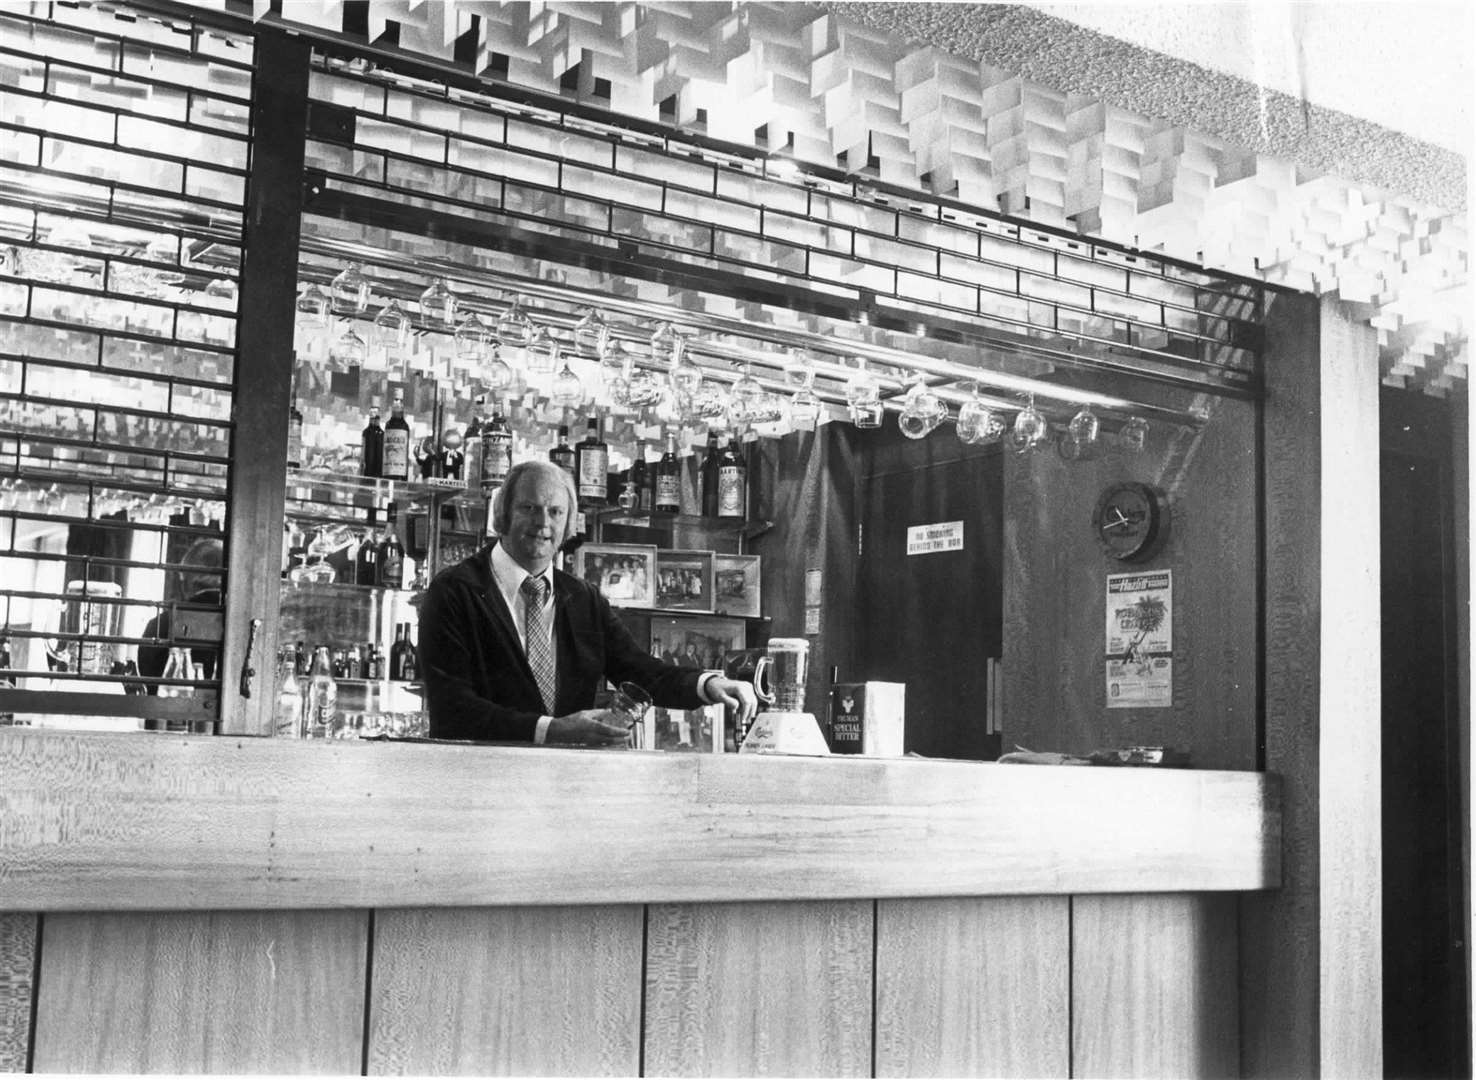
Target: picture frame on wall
735,585
684,580
696,641
625,573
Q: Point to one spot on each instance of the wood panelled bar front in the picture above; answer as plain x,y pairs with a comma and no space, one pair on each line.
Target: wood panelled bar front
183,904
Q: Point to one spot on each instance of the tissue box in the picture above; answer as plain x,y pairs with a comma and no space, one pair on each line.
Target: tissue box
867,718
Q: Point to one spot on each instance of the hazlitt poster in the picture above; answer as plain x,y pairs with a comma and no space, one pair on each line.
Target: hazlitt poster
1140,640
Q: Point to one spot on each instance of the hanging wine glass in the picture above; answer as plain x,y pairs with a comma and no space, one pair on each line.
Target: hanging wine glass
391,331
642,387
567,391
685,376
438,306
495,371
350,291
542,349
922,409
591,334
1031,429
515,328
1134,435
471,342
805,407
312,307
1079,441
616,367
745,398
347,351
977,422
863,397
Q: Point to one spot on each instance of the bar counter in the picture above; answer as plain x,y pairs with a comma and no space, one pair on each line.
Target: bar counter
188,904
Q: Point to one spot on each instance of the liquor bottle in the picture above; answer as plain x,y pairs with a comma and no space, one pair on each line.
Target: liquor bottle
355,667
411,667
732,483
294,431
397,652
371,461
339,664
391,554
366,562
591,463
710,476
563,454
303,661
496,452
397,441
321,707
639,480
471,446
668,481
288,718
373,663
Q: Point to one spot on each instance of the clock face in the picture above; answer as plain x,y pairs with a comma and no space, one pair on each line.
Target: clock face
1129,520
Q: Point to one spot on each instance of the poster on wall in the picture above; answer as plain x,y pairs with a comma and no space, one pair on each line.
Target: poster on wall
1140,640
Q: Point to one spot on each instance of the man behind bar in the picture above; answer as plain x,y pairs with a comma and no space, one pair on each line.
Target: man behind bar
512,650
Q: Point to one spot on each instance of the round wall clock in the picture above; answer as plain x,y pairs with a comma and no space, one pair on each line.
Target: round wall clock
1130,520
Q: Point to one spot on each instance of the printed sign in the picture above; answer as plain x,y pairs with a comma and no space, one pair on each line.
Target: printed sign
1140,640
926,539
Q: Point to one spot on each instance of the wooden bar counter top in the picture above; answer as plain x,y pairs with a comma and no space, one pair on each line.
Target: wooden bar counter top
191,904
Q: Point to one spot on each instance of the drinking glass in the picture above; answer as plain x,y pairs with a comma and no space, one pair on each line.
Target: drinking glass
1030,430
543,351
977,422
567,391
1080,439
685,376
592,334
471,341
628,705
515,328
350,291
863,397
347,351
922,410
745,398
391,331
438,306
805,407
1134,435
496,372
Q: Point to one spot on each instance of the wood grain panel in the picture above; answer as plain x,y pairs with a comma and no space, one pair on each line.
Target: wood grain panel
759,989
507,992
1279,929
973,987
1350,732
186,822
17,982
1154,986
181,992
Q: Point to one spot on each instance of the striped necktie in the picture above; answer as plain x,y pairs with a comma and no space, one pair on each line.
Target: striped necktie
538,641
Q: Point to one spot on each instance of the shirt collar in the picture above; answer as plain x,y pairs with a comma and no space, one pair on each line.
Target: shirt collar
509,575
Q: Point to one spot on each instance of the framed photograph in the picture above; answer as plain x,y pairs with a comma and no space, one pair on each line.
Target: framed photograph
684,580
735,584
625,573
694,641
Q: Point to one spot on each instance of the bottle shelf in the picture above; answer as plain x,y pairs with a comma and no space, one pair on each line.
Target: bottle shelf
649,519
345,589
381,490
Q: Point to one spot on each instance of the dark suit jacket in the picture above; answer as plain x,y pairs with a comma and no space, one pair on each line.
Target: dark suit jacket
477,680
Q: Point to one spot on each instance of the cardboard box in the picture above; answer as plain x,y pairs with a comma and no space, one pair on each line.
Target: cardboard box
867,718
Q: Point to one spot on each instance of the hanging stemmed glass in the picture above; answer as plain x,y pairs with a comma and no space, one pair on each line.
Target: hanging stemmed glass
591,334
438,306
496,372
390,333
1134,435
616,368
745,398
863,397
347,351
1080,439
1030,430
470,345
350,292
543,351
312,320
685,377
922,409
805,407
567,390
515,332
977,422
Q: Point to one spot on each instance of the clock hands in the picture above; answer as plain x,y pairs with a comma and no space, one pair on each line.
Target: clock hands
1122,520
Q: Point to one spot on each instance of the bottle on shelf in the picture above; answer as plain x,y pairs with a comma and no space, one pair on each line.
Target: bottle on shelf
562,455
339,664
397,441
373,662
287,722
320,710
591,463
710,475
402,656
639,480
668,498
391,553
411,667
732,483
366,560
471,446
304,662
294,431
496,451
371,458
